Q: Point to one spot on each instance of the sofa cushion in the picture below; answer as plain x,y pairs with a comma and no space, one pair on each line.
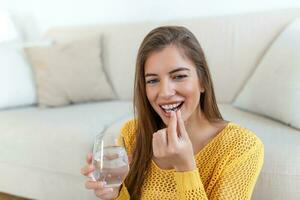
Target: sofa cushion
120,47
70,72
8,30
16,79
58,139
273,89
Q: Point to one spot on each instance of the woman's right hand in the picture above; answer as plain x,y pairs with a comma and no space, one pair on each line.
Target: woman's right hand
99,188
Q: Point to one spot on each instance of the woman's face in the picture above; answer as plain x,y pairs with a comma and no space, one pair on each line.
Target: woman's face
172,83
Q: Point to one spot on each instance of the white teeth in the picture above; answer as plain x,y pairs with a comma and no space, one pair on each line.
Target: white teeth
170,106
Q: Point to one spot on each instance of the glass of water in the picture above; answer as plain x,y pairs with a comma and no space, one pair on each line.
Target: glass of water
110,160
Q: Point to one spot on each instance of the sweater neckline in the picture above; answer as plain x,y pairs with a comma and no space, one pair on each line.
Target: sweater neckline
221,132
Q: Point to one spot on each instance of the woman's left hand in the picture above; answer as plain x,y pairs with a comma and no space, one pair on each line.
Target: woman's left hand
173,144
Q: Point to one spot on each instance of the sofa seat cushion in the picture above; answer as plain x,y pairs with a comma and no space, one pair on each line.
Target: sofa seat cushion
56,139
280,175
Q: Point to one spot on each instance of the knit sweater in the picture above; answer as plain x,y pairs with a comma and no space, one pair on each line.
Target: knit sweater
227,169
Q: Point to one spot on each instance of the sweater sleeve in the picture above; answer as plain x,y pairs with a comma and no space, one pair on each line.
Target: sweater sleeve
236,182
238,179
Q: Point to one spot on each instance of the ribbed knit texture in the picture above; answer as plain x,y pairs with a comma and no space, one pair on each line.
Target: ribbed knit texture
228,167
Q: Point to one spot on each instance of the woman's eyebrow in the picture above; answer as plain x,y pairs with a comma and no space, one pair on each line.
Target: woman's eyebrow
179,69
147,75
171,72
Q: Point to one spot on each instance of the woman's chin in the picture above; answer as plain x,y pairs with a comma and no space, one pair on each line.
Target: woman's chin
165,118
166,121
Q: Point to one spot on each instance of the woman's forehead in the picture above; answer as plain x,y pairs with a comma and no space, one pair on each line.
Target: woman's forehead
169,59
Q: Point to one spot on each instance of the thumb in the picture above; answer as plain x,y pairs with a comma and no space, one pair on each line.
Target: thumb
89,158
181,126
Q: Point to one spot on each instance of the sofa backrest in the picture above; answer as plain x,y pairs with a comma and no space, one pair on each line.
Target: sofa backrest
233,46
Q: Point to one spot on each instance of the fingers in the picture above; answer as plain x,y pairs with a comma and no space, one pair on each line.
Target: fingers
89,158
94,185
180,124
104,193
172,129
162,135
159,141
86,170
98,187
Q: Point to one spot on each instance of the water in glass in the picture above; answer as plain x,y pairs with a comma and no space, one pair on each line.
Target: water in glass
110,161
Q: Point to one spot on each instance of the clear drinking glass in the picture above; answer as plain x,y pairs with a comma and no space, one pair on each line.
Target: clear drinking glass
110,160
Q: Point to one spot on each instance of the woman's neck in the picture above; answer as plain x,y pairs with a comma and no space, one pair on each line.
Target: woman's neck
196,123
201,130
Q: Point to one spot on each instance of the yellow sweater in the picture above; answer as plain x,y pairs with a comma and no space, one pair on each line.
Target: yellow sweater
228,167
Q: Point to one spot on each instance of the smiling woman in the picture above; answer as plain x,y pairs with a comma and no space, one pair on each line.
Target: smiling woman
181,147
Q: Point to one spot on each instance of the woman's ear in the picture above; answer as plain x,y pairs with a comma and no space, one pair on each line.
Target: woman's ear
201,86
202,90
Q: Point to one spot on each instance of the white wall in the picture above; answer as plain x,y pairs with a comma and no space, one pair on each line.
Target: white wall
36,16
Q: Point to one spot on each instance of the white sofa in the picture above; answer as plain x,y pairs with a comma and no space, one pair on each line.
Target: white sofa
43,149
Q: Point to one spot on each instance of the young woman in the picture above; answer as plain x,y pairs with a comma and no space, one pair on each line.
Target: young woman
180,145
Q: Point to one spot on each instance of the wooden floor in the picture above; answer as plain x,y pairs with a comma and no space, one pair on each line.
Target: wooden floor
9,197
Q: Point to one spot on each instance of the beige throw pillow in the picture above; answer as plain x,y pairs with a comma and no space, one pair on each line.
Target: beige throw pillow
70,72
274,88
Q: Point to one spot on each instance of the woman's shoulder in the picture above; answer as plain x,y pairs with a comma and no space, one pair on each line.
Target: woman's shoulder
128,132
129,127
240,138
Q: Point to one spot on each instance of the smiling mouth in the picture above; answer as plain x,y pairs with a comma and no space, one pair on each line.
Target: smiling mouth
171,107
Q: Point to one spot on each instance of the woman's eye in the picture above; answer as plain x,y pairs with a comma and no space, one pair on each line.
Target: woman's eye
179,77
151,81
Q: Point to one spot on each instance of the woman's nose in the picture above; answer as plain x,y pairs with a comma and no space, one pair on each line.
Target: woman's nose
166,89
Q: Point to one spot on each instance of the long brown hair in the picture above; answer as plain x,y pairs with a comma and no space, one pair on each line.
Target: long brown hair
147,120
